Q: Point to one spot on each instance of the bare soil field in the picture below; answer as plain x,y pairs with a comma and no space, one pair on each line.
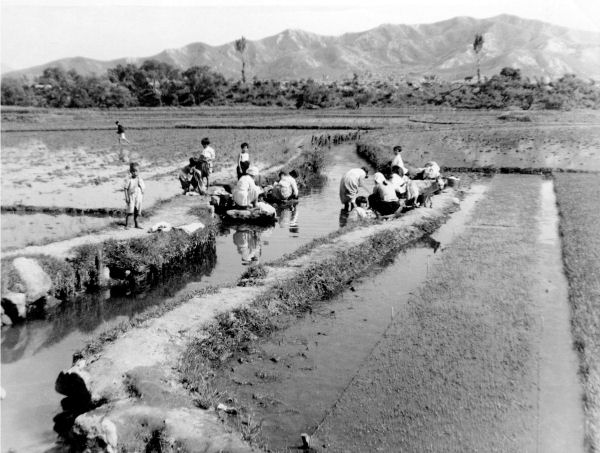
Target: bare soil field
560,147
467,345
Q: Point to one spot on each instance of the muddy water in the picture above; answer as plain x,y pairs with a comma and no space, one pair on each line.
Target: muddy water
34,354
297,375
560,414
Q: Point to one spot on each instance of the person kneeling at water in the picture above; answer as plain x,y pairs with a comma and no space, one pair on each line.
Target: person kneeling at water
246,192
286,188
384,199
361,211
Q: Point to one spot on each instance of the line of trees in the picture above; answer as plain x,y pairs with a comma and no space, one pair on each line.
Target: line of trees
155,83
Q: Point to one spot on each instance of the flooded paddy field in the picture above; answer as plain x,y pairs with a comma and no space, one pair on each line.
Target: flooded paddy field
33,354
432,351
296,385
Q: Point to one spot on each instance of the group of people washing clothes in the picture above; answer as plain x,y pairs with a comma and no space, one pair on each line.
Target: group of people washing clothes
194,177
392,192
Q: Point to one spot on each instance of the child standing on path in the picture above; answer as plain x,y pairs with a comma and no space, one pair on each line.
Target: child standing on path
134,192
243,161
208,153
121,133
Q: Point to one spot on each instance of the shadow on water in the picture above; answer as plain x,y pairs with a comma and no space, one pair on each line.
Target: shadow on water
296,375
34,353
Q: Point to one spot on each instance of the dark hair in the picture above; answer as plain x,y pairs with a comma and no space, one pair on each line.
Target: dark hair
192,161
294,174
244,145
116,122
282,173
134,166
398,148
366,170
205,141
361,200
398,170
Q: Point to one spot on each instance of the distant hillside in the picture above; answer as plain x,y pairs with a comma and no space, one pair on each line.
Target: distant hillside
443,49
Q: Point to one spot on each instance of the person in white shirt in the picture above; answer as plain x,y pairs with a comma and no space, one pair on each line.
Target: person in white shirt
134,193
246,192
362,211
397,160
384,199
208,153
243,160
285,188
399,181
350,184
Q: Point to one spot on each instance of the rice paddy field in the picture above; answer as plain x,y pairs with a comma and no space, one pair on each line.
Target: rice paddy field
476,357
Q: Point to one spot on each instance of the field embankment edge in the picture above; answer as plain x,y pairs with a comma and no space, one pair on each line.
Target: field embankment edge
102,385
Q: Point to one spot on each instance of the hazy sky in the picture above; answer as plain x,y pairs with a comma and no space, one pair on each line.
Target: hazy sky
38,31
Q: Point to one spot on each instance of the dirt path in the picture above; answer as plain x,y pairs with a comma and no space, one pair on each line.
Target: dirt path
469,364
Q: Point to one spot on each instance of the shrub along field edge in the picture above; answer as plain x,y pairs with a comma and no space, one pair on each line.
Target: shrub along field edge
577,199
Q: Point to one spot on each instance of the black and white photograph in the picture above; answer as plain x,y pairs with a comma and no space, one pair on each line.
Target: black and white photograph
327,226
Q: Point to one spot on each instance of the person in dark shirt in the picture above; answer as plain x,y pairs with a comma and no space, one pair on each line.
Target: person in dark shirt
121,133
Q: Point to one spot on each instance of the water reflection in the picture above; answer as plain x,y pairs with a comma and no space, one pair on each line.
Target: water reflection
88,312
288,218
247,241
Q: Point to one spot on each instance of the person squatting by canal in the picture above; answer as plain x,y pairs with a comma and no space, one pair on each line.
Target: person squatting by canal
285,188
243,160
384,199
362,211
351,182
134,193
246,192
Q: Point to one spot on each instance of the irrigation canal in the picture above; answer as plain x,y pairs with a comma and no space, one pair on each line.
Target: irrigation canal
34,353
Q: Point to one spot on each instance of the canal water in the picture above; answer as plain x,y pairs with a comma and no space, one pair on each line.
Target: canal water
298,374
34,353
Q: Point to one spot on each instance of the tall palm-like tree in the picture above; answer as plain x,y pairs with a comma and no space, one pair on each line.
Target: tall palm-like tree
240,46
477,46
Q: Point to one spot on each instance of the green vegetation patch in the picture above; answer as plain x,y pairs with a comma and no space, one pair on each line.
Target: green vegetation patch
577,197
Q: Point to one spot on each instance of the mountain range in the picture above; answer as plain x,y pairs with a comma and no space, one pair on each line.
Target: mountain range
443,49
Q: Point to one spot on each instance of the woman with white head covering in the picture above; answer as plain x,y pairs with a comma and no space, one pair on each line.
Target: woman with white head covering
384,199
246,191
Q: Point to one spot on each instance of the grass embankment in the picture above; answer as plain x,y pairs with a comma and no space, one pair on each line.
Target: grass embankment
456,369
138,261
577,198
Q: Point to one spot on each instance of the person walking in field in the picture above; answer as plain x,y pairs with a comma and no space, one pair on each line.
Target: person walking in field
121,133
243,161
134,193
349,186
208,153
